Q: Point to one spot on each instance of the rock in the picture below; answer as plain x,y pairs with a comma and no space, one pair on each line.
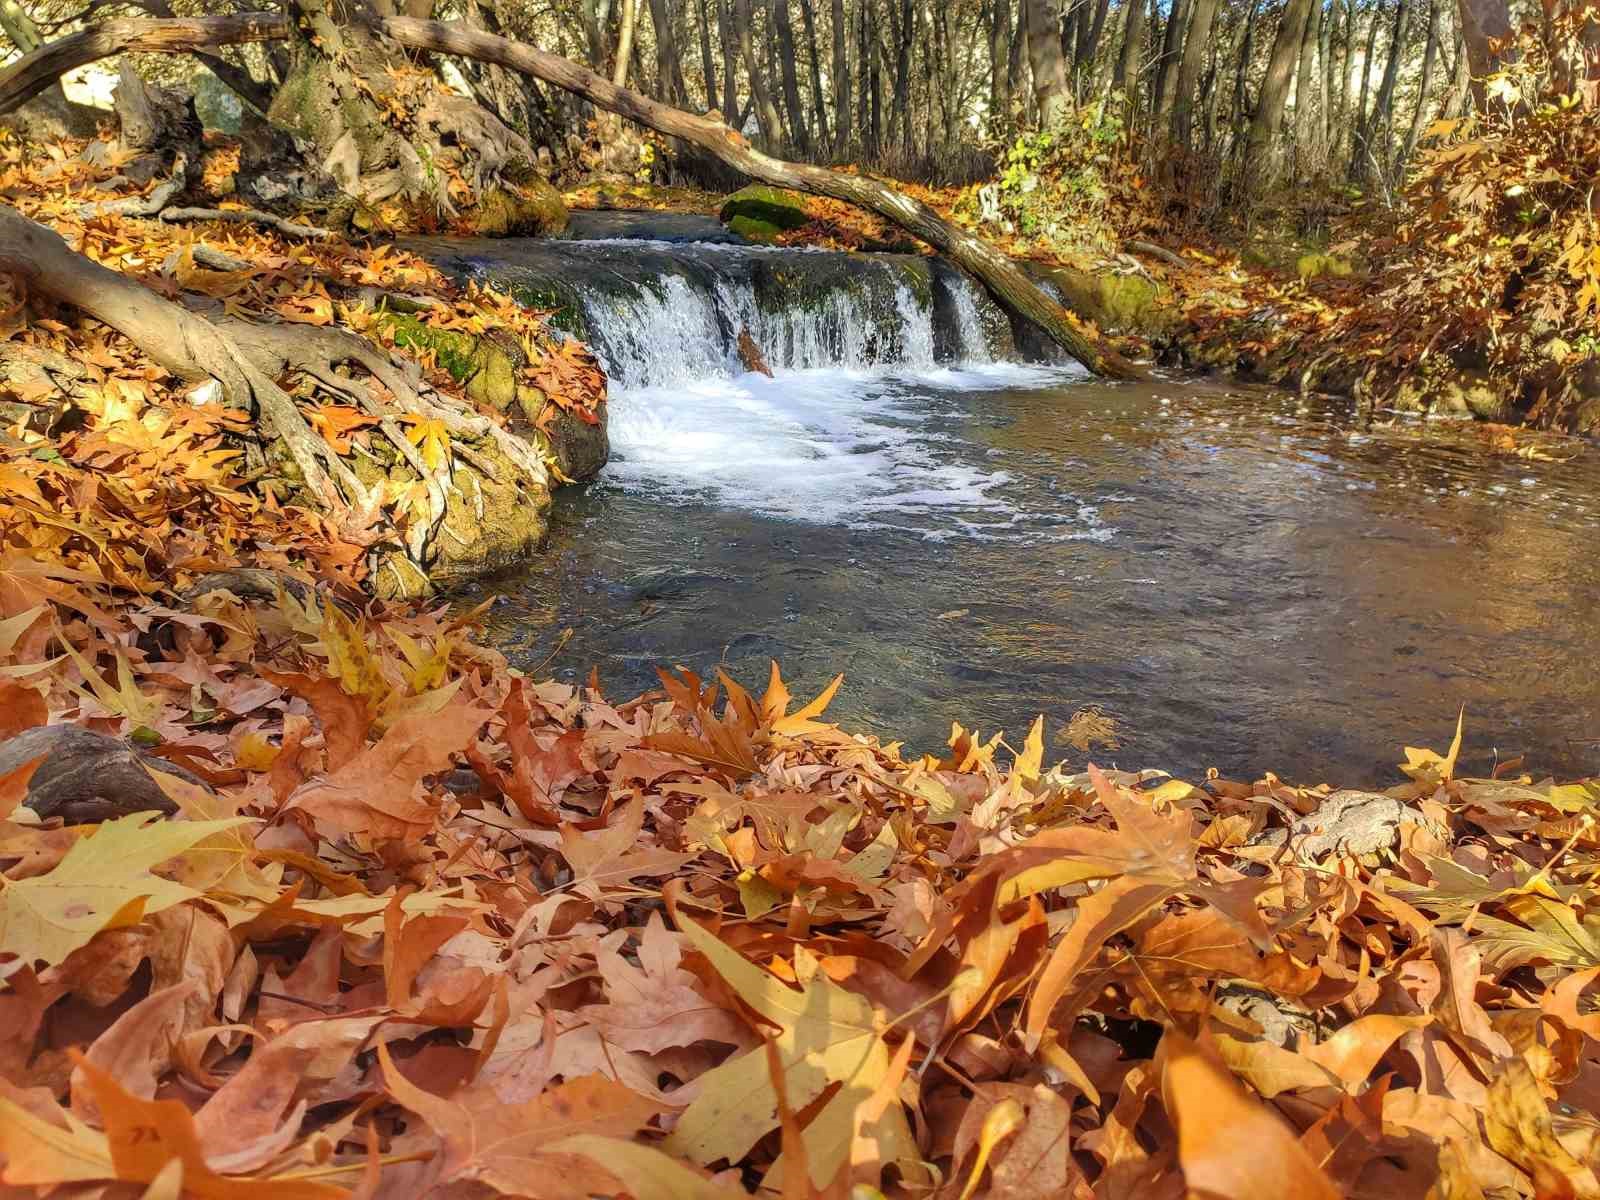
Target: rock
490,369
579,448
1116,303
1363,825
86,776
529,208
50,116
761,212
216,104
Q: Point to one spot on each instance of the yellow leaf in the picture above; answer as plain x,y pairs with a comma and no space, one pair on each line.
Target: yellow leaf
827,1036
104,882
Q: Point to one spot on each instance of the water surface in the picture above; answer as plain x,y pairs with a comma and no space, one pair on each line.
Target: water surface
1242,578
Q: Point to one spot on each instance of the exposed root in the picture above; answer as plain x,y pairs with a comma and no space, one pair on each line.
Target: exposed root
244,216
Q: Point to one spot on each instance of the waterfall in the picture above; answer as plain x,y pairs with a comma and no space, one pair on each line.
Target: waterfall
669,313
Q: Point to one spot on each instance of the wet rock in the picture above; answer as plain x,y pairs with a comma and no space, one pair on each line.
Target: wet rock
1128,303
86,776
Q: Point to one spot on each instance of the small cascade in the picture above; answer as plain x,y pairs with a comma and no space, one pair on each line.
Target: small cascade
670,313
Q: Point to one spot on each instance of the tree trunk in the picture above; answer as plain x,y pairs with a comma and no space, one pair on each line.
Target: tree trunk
841,80
1330,23
791,80
819,109
1166,75
1483,22
1126,76
669,70
708,65
766,112
999,66
1303,109
1241,74
43,67
1418,114
1261,149
1361,160
1195,45
627,15
1003,278
1044,56
730,69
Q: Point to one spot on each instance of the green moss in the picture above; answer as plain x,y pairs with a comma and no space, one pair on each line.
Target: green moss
487,371
565,312
769,206
1309,266
1114,302
754,229
531,208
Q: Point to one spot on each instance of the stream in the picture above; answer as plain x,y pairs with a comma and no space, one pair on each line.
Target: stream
1239,577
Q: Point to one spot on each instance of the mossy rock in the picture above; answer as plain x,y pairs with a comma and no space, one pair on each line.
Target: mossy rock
1116,303
1311,266
754,229
531,208
487,370
760,212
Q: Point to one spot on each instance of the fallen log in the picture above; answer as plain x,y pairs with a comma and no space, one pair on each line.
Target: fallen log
33,73
1010,287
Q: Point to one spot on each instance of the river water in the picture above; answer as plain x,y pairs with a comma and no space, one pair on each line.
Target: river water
1238,577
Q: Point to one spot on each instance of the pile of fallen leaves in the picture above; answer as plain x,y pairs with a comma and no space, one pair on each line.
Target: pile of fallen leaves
401,921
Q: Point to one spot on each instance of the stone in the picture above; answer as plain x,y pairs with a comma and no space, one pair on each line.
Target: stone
1116,303
529,208
760,212
86,776
1362,825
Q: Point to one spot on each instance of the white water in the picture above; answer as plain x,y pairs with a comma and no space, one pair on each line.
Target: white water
825,445
852,429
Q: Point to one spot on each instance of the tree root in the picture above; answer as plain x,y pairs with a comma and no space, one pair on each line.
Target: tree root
245,360
245,216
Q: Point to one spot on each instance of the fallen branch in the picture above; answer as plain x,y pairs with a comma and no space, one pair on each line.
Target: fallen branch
33,73
1005,281
1151,250
248,216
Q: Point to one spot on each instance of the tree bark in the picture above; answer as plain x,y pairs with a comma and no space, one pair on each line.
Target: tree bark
1362,154
1044,56
1261,150
784,29
841,81
669,70
708,65
1430,53
34,72
1166,76
819,109
997,272
626,17
1125,78
1195,45
730,66
1483,22
1303,126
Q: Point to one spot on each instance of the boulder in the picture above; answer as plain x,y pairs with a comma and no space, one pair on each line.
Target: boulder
528,208
761,212
86,776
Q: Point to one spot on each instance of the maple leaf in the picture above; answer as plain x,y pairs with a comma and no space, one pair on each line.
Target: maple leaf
512,1148
656,1004
103,882
607,859
826,1036
375,793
